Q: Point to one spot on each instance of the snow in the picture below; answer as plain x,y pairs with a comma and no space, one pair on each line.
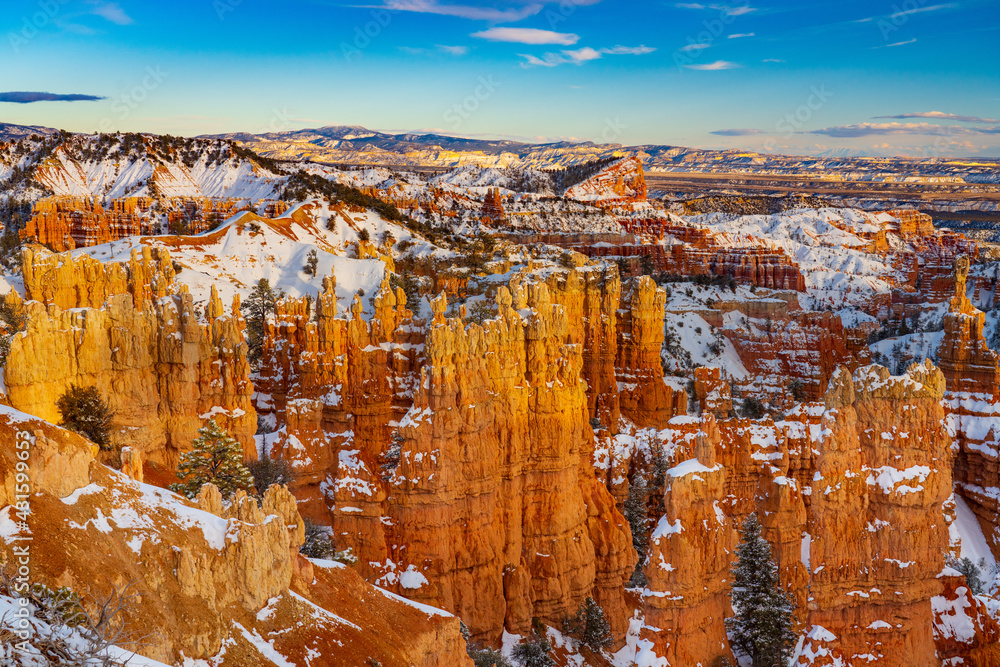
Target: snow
264,647
953,622
974,545
690,467
887,478
412,579
427,609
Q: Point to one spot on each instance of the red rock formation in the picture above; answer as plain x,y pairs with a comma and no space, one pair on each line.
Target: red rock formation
620,184
804,346
969,365
644,397
712,391
913,222
65,223
160,369
493,212
84,282
964,631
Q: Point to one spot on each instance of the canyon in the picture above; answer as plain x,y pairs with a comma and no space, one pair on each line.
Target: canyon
467,418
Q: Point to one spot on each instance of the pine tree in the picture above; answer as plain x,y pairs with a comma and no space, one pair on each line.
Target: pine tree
259,305
535,651
214,458
83,411
762,627
972,573
590,625
638,521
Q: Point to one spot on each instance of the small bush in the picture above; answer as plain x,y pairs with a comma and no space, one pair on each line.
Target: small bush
364,235
317,544
534,652
85,412
267,472
589,626
752,408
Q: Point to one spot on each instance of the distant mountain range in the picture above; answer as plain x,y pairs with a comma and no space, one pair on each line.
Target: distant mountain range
11,132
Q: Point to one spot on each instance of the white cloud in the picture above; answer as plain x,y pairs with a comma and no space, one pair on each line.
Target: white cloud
463,11
717,65
580,56
528,36
695,47
110,11
737,35
628,50
454,50
772,60
925,129
944,116
918,10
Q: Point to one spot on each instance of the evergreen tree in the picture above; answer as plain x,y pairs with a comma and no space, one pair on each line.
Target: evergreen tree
215,458
972,573
762,627
85,412
638,521
259,305
589,626
535,651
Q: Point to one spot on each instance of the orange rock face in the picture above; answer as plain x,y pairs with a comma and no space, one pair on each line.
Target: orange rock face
161,370
849,494
65,223
620,184
492,508
493,207
84,282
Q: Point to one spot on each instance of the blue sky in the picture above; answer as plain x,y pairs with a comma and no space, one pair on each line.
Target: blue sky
913,77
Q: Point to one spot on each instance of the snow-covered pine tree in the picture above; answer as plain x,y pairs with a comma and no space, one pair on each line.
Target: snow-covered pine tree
636,514
258,306
762,626
214,458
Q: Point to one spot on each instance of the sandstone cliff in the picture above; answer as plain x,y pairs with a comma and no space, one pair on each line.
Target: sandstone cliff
214,582
161,370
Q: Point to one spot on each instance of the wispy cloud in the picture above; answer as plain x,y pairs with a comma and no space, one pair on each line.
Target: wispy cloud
24,97
736,132
110,11
882,129
728,10
528,36
453,50
717,65
943,116
695,47
918,10
888,46
737,35
772,60
464,11
580,56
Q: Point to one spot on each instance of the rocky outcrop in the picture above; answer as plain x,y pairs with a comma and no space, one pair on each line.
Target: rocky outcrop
218,582
849,493
620,184
65,223
644,396
492,211
965,632
161,370
967,362
494,510
84,282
